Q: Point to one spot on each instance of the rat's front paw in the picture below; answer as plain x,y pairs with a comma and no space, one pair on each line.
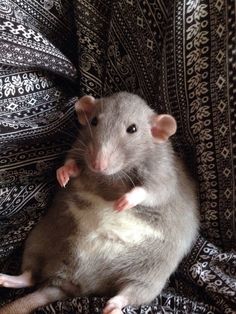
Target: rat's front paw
124,202
70,169
130,199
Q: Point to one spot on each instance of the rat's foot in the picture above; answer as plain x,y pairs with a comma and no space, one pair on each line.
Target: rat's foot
70,169
115,305
111,309
22,281
130,199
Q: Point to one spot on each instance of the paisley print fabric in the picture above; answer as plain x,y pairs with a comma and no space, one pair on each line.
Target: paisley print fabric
181,57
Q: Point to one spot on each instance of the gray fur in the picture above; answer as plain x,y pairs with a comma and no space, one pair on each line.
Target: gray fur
75,244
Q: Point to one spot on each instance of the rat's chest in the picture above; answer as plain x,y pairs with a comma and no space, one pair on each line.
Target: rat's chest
101,228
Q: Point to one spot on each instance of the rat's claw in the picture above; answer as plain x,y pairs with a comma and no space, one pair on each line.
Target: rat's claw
130,199
70,169
122,203
62,176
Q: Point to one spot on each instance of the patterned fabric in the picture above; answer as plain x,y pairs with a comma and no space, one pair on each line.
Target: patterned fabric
35,111
181,57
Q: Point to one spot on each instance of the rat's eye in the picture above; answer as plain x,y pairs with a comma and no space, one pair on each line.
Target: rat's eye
132,128
94,121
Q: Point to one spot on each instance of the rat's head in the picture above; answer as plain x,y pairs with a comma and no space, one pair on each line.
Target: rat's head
120,131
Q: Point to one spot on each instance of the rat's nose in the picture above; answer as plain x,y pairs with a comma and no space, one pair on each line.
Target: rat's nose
100,163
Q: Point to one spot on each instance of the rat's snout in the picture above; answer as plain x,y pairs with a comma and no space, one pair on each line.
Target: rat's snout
99,163
98,160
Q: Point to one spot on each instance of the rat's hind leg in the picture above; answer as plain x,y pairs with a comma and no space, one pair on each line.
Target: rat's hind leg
22,281
32,301
135,294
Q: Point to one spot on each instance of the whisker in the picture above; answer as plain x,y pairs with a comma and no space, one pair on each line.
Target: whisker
102,101
75,138
121,179
89,126
71,135
81,142
123,172
79,151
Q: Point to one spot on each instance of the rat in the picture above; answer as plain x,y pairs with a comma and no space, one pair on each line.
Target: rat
124,221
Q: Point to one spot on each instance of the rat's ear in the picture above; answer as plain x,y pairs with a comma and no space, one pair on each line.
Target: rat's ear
162,127
84,108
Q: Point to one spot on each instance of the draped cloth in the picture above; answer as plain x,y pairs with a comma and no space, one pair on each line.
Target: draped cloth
180,56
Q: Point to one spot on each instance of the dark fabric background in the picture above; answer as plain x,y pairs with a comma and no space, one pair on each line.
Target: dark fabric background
181,57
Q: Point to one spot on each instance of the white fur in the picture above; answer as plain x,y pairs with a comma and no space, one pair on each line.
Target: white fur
136,195
101,221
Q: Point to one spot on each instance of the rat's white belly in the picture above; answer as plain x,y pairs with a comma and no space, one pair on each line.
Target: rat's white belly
101,227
